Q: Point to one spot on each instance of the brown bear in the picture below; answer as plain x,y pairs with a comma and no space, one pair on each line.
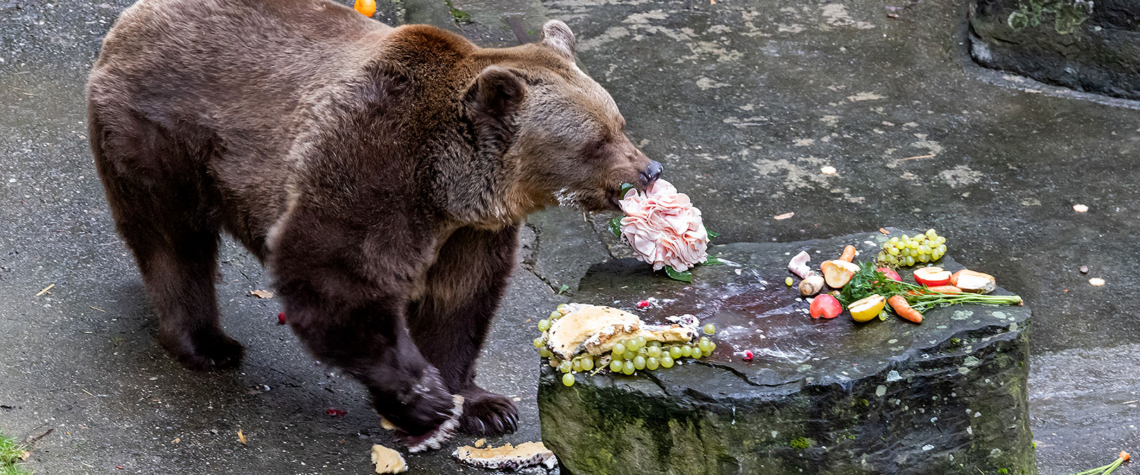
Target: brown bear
380,174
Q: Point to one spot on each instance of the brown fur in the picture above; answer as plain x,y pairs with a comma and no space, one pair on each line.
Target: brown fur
381,175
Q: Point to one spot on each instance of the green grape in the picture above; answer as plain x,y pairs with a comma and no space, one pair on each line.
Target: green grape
710,329
627,368
639,362
587,363
912,244
924,249
640,342
629,355
941,249
655,344
893,251
543,325
904,238
686,350
568,379
941,240
674,352
577,365
654,351
555,314
538,343
666,362
697,353
562,306
703,345
712,347
894,241
565,366
651,363
615,365
909,261
892,260
545,353
618,349
643,352
924,258
931,234
900,245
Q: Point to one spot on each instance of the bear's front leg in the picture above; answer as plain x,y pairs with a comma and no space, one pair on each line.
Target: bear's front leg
450,321
370,341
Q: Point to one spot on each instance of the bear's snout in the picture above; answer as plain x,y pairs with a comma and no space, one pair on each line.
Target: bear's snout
651,173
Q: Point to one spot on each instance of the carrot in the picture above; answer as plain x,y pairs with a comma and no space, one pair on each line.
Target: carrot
1124,455
848,254
898,303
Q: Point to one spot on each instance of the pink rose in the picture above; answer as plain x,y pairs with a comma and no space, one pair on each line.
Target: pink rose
664,228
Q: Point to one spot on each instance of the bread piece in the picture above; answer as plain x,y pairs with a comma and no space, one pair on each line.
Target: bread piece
388,460
567,335
528,454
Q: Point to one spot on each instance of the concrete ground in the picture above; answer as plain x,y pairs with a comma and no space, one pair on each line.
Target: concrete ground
743,102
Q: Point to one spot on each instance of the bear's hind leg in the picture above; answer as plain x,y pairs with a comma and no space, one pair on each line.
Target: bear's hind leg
450,322
179,278
160,199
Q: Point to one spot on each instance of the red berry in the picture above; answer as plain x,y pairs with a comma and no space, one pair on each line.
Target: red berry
748,355
643,304
281,318
334,412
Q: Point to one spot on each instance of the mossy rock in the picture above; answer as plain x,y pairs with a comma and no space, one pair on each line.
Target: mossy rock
1081,44
820,396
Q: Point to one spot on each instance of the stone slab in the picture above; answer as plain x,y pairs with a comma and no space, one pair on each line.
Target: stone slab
821,396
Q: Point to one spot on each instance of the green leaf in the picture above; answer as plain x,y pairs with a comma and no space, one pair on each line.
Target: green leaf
625,187
713,261
712,234
681,276
615,226
563,289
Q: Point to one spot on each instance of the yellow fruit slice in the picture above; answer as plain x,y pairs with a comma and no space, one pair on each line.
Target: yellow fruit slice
866,309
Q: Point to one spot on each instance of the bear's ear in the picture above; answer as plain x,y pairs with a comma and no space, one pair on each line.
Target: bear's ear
493,100
558,36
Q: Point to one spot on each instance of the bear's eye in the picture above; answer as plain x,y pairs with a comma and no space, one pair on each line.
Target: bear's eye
596,150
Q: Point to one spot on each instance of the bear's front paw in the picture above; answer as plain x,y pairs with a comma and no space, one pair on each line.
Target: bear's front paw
487,413
426,414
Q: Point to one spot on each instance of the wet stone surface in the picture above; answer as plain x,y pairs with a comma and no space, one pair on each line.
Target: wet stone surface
821,396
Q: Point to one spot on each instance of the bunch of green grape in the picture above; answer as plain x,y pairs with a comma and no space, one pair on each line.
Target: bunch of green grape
911,250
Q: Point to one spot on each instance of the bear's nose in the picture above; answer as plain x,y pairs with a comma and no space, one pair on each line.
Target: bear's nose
651,173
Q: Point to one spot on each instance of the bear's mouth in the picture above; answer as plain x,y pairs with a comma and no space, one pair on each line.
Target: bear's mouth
615,198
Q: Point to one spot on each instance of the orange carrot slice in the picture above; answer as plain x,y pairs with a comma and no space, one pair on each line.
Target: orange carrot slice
902,308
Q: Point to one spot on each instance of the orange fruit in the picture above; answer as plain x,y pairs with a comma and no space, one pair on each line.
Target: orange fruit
366,7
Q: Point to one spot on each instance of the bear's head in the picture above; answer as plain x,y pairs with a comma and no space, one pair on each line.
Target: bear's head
561,129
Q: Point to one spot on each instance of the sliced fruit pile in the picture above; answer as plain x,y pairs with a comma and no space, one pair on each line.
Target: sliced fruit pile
870,291
581,338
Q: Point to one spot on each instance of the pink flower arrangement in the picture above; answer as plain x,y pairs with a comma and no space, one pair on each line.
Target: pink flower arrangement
664,228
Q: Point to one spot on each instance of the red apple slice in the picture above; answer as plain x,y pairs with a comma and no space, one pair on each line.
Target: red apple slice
825,306
932,276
